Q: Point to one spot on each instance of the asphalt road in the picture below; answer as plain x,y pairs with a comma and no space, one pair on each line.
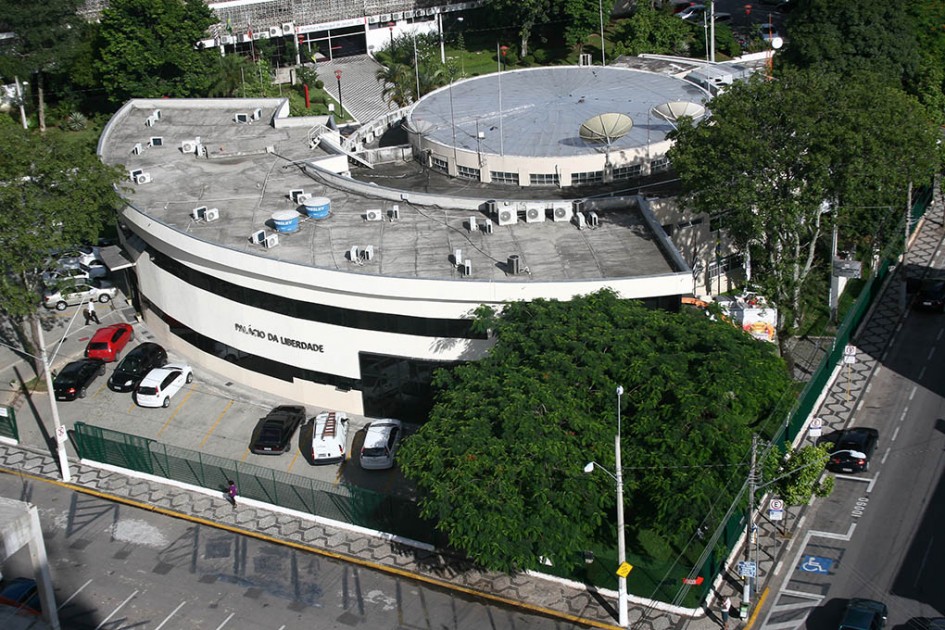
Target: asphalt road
119,567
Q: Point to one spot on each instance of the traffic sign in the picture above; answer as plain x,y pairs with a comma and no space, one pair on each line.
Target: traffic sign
61,433
747,569
849,354
624,569
693,581
816,428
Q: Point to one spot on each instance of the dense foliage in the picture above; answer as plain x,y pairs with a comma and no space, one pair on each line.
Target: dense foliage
499,463
796,475
780,161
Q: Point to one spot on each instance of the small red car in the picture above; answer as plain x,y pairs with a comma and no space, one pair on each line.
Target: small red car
108,342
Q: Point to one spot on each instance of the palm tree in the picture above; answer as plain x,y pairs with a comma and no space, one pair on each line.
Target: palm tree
398,83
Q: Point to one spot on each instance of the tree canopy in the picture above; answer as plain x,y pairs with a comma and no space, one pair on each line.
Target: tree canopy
779,161
55,194
148,49
499,463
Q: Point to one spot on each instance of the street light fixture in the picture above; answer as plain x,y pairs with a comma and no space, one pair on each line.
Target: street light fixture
622,603
341,107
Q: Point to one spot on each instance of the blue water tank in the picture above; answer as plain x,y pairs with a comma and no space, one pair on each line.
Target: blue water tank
285,221
317,207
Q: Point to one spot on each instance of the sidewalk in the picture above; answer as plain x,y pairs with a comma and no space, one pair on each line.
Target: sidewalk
574,604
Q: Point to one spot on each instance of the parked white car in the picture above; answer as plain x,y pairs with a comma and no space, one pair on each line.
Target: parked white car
53,277
79,293
329,437
381,440
82,255
159,386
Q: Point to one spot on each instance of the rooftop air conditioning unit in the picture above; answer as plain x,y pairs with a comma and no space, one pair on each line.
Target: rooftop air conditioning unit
561,213
188,146
408,14
458,257
398,16
534,214
395,213
257,237
143,178
354,254
578,205
473,226
288,28
491,206
134,174
420,12
303,198
156,141
467,268
212,215
372,215
228,40
150,120
507,216
275,31
367,254
136,150
156,114
241,118
593,220
271,241
487,226
257,114
385,17
246,37
580,220
199,213
373,19
294,194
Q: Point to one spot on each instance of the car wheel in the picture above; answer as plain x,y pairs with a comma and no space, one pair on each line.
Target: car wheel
104,298
82,393
166,403
866,468
61,306
190,377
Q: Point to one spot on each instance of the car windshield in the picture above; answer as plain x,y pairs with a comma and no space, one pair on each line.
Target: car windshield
98,345
270,434
148,391
132,363
375,452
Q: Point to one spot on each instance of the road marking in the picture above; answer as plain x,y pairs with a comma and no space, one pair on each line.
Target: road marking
758,606
225,621
100,388
245,453
938,337
105,620
922,373
174,413
133,405
912,393
931,354
173,612
213,428
869,486
895,434
73,595
925,558
292,463
801,594
905,412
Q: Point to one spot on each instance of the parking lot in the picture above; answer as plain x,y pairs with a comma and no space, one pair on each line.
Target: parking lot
210,415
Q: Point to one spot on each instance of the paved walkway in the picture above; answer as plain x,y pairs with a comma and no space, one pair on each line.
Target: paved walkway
361,92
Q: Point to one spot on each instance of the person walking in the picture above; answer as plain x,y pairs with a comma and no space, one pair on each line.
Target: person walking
726,610
231,492
90,314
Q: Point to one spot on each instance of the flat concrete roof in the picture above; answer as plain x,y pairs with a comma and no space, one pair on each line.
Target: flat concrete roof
248,184
542,109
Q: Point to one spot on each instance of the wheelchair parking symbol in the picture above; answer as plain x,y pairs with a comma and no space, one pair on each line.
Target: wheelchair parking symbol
815,564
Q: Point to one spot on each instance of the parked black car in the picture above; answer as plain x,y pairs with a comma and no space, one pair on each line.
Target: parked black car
136,365
852,450
931,295
74,379
274,432
864,614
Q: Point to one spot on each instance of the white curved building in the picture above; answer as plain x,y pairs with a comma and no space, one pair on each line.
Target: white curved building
355,310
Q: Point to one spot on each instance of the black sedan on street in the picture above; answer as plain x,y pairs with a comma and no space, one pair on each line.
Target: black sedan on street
136,364
74,379
931,295
852,450
274,432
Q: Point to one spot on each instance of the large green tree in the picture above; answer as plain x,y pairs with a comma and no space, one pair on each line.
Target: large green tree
779,161
148,49
499,463
45,37
55,194
655,31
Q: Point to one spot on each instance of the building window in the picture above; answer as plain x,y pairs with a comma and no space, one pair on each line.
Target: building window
309,311
467,173
543,179
659,164
503,177
627,172
724,265
439,165
590,177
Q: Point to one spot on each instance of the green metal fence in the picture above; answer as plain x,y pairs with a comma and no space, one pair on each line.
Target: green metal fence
344,503
8,424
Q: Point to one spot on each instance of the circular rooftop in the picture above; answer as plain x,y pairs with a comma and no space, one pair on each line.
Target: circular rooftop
538,112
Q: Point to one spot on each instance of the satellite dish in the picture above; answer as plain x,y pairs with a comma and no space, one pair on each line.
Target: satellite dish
606,127
674,110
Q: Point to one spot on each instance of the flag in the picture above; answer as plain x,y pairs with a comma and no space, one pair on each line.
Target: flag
229,26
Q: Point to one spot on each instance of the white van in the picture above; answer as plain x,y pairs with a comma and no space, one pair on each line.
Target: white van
329,437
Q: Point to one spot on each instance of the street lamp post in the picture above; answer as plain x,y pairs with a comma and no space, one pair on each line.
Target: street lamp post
59,436
341,106
600,9
390,25
622,603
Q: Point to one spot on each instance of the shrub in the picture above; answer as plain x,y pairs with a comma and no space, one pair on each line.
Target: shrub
319,84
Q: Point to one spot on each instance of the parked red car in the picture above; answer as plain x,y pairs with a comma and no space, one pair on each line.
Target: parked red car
108,342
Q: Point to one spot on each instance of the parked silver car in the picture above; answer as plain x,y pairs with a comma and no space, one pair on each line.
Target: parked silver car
79,293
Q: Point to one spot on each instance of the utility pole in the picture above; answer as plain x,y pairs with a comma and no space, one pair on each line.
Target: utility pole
752,477
60,435
905,250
